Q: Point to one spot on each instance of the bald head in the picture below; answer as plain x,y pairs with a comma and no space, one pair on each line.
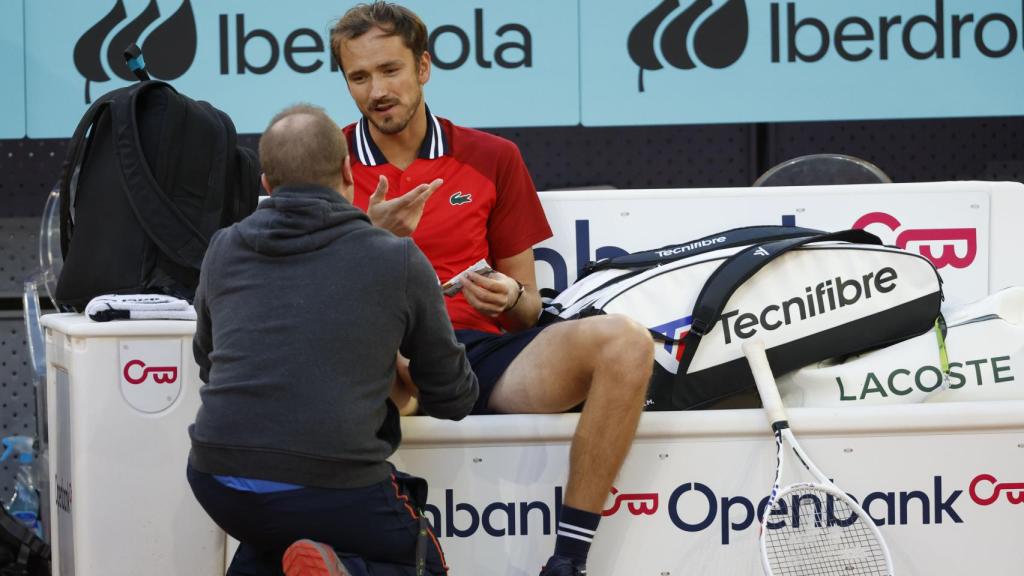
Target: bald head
302,146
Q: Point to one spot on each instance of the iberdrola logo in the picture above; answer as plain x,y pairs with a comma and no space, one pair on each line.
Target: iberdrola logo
168,49
718,32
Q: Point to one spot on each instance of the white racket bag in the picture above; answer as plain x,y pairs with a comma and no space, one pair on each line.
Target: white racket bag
808,294
984,360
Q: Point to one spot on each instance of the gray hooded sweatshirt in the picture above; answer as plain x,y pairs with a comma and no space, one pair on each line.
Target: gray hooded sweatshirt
301,308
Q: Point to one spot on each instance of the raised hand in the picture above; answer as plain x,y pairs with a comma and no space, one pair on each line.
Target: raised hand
399,215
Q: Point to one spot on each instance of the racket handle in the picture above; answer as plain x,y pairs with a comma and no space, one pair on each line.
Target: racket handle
765,381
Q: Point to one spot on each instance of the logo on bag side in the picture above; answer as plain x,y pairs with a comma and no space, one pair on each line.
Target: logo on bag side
926,379
670,353
690,247
718,40
822,298
760,251
169,49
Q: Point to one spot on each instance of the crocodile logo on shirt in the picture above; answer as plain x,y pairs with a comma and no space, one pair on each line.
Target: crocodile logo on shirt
460,198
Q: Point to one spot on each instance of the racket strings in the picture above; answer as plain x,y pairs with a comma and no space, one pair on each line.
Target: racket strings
813,533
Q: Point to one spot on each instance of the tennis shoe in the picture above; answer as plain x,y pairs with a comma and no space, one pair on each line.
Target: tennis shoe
309,558
562,566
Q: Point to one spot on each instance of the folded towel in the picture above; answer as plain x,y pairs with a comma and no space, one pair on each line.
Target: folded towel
139,307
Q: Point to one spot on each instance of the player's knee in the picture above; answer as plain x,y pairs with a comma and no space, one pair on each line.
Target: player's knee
629,341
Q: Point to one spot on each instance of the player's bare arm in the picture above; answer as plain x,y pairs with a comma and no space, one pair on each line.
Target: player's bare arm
498,294
404,392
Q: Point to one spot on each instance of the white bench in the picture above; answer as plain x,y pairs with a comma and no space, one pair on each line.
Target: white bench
942,477
939,476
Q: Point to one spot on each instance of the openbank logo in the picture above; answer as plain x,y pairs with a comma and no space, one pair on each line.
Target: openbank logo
169,49
667,31
695,507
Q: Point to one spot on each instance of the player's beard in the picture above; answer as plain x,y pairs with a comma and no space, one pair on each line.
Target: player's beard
397,125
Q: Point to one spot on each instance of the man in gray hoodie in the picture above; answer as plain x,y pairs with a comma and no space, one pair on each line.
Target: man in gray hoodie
302,308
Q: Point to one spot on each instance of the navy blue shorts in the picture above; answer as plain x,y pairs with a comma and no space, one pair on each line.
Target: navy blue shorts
490,355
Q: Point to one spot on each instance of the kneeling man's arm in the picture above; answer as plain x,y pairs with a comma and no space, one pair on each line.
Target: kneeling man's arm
437,363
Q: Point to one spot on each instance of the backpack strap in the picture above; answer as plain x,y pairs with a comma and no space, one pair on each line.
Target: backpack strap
726,239
216,197
163,222
72,164
245,186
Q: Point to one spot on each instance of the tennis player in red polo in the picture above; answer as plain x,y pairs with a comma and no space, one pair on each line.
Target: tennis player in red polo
465,196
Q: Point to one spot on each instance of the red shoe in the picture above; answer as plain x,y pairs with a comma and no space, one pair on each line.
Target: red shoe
309,558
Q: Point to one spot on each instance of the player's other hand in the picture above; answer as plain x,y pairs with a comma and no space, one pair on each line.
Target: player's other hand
490,295
399,215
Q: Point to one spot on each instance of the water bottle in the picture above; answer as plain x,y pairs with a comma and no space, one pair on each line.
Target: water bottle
24,503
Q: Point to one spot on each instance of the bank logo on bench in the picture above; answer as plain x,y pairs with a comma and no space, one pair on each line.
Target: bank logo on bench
169,49
718,39
694,507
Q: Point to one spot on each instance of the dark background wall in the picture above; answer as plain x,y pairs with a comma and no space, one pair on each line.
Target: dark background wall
625,157
667,156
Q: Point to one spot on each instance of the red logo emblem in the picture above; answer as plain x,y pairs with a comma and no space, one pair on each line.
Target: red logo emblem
925,240
1014,490
161,374
637,504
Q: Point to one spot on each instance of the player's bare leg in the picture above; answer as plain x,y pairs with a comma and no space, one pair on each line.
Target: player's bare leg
606,362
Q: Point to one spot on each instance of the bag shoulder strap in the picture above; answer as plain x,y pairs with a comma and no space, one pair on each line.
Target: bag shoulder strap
163,222
216,197
726,239
79,145
246,185
739,267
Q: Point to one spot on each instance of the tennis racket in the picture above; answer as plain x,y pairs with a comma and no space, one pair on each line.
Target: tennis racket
810,528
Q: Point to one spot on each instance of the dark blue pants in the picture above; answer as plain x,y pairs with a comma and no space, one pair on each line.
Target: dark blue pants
374,529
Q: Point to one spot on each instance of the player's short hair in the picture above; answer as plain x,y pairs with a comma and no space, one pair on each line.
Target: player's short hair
393,19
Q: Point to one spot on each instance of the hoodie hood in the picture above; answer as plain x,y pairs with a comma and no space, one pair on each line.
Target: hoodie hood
296,220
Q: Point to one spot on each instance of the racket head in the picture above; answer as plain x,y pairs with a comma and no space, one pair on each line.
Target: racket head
816,529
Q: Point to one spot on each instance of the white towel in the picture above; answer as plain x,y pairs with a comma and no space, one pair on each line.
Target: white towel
139,307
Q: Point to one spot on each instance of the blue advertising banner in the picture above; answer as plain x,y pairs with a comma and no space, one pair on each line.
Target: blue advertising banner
710,61
499,63
252,58
12,69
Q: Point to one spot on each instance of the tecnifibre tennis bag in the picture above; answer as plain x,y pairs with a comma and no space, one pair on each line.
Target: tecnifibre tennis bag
808,294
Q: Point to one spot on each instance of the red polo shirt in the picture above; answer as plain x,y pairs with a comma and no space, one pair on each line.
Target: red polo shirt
487,207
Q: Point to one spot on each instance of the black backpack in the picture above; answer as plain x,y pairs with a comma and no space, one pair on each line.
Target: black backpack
22,553
150,175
